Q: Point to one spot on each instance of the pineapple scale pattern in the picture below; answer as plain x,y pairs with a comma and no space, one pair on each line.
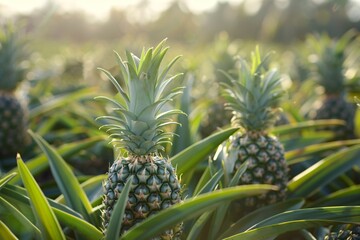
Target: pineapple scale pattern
155,187
266,165
12,126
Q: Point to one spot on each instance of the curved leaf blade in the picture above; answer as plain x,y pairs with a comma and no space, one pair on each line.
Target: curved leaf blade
48,224
298,220
24,221
258,215
84,228
5,232
6,179
113,230
40,163
323,172
343,197
191,208
65,179
199,151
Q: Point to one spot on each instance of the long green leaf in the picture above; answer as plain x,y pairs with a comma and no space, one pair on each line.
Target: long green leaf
62,101
191,208
298,220
204,179
65,179
198,226
92,187
343,197
260,214
84,228
6,179
323,172
191,156
20,196
305,140
65,215
113,230
291,156
40,163
48,224
220,213
306,125
5,232
211,184
24,221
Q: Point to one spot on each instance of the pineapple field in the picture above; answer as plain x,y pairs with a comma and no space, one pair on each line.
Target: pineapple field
158,134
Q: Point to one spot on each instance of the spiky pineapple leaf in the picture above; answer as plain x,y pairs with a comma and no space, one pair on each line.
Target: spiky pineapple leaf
298,220
92,187
306,139
40,163
323,172
211,184
5,232
113,230
48,224
19,195
61,101
79,225
260,214
343,197
65,215
27,225
191,208
220,213
204,179
6,179
65,179
293,155
191,156
306,125
198,226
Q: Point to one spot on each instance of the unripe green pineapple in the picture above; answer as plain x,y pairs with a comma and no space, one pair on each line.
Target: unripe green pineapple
12,114
254,99
330,72
137,132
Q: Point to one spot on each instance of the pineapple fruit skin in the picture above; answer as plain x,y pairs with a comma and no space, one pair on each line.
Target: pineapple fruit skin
13,135
338,108
344,233
266,165
155,187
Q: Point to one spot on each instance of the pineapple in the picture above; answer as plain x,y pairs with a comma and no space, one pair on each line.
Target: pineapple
13,116
329,68
254,99
137,132
344,232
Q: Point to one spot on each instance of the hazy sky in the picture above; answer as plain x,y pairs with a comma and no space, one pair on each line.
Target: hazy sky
100,8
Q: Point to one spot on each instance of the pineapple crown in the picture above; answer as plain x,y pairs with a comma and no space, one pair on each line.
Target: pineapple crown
329,64
139,120
12,56
254,97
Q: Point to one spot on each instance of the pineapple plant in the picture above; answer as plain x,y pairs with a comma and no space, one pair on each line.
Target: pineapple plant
329,69
12,114
138,134
254,99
